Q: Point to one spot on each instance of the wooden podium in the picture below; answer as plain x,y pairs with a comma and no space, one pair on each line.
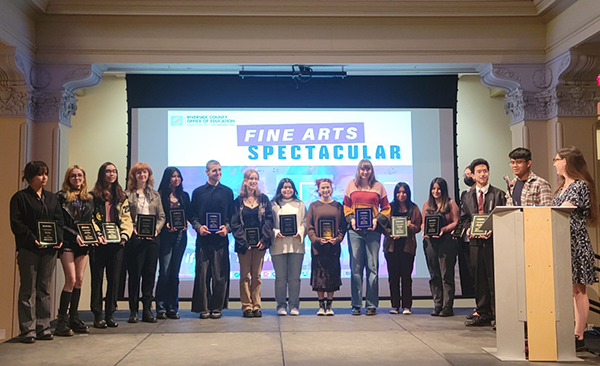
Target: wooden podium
532,264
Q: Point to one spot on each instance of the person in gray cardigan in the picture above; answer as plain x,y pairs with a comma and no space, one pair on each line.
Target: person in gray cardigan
141,253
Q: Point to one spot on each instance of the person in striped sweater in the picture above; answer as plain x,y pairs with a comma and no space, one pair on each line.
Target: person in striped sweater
364,191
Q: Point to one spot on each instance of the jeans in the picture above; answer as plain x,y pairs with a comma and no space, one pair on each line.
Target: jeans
287,278
170,254
364,253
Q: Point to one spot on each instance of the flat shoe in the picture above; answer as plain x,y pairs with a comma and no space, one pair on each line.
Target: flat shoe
27,340
111,323
100,324
45,337
173,315
257,313
248,314
161,316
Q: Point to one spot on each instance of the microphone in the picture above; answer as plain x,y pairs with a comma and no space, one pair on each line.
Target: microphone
508,182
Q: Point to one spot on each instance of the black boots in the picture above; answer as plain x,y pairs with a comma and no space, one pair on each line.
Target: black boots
62,327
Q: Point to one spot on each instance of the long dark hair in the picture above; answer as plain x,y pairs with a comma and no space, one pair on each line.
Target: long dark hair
396,203
164,188
445,205
113,193
279,196
577,169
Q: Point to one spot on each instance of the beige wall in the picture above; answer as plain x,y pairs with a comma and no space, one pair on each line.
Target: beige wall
483,129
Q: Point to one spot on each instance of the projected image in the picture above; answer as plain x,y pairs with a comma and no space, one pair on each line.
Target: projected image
301,145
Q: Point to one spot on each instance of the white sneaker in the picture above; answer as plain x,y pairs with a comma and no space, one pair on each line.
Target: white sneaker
393,311
294,312
406,312
321,312
329,312
281,312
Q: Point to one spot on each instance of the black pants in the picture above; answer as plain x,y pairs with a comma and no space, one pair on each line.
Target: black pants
211,285
142,258
107,257
441,259
482,261
35,271
464,269
400,267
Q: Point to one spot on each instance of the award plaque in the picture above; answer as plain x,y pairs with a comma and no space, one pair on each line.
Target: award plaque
399,226
146,226
476,224
326,228
432,225
213,221
87,233
461,228
252,236
364,218
111,233
47,236
288,225
177,219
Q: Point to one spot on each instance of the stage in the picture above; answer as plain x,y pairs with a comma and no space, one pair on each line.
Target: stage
383,339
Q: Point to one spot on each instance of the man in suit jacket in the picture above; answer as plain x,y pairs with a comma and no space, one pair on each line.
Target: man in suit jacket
482,200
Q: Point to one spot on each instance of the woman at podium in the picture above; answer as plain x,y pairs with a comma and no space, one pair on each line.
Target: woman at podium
576,189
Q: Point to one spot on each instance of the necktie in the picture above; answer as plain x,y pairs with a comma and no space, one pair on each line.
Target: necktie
480,202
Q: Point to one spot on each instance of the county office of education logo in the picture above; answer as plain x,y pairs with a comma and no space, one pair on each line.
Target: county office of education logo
176,121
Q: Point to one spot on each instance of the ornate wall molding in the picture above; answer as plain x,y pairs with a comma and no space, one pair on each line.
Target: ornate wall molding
578,101
14,92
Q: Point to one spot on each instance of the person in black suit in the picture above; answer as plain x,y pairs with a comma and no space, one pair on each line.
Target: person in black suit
482,200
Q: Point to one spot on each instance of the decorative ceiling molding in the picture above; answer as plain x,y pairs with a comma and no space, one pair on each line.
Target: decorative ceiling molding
290,8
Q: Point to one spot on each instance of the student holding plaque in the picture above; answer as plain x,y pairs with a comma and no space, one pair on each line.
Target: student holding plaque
576,188
211,285
326,227
141,252
173,241
440,248
365,192
482,199
252,225
78,208
287,251
111,213
35,257
400,251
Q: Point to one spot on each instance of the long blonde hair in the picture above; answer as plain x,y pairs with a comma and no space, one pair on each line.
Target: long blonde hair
132,181
71,194
244,191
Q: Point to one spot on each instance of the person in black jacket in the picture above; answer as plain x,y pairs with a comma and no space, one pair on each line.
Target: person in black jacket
252,210
482,200
172,246
78,208
211,285
36,261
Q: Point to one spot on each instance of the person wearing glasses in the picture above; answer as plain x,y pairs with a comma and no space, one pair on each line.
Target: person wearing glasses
526,188
576,188
110,207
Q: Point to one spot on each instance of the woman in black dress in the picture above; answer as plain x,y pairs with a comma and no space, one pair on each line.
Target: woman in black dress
576,188
36,261
172,244
325,268
78,208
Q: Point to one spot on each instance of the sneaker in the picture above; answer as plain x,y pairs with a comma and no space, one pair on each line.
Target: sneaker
294,312
371,311
436,312
447,312
394,311
355,311
161,315
281,312
257,313
406,311
321,312
216,315
329,312
204,315
248,314
478,321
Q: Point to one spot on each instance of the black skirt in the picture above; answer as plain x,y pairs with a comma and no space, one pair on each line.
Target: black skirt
326,269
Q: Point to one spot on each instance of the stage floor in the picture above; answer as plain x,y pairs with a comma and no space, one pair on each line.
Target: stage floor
384,339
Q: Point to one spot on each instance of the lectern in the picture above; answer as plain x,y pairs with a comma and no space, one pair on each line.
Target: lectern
532,263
